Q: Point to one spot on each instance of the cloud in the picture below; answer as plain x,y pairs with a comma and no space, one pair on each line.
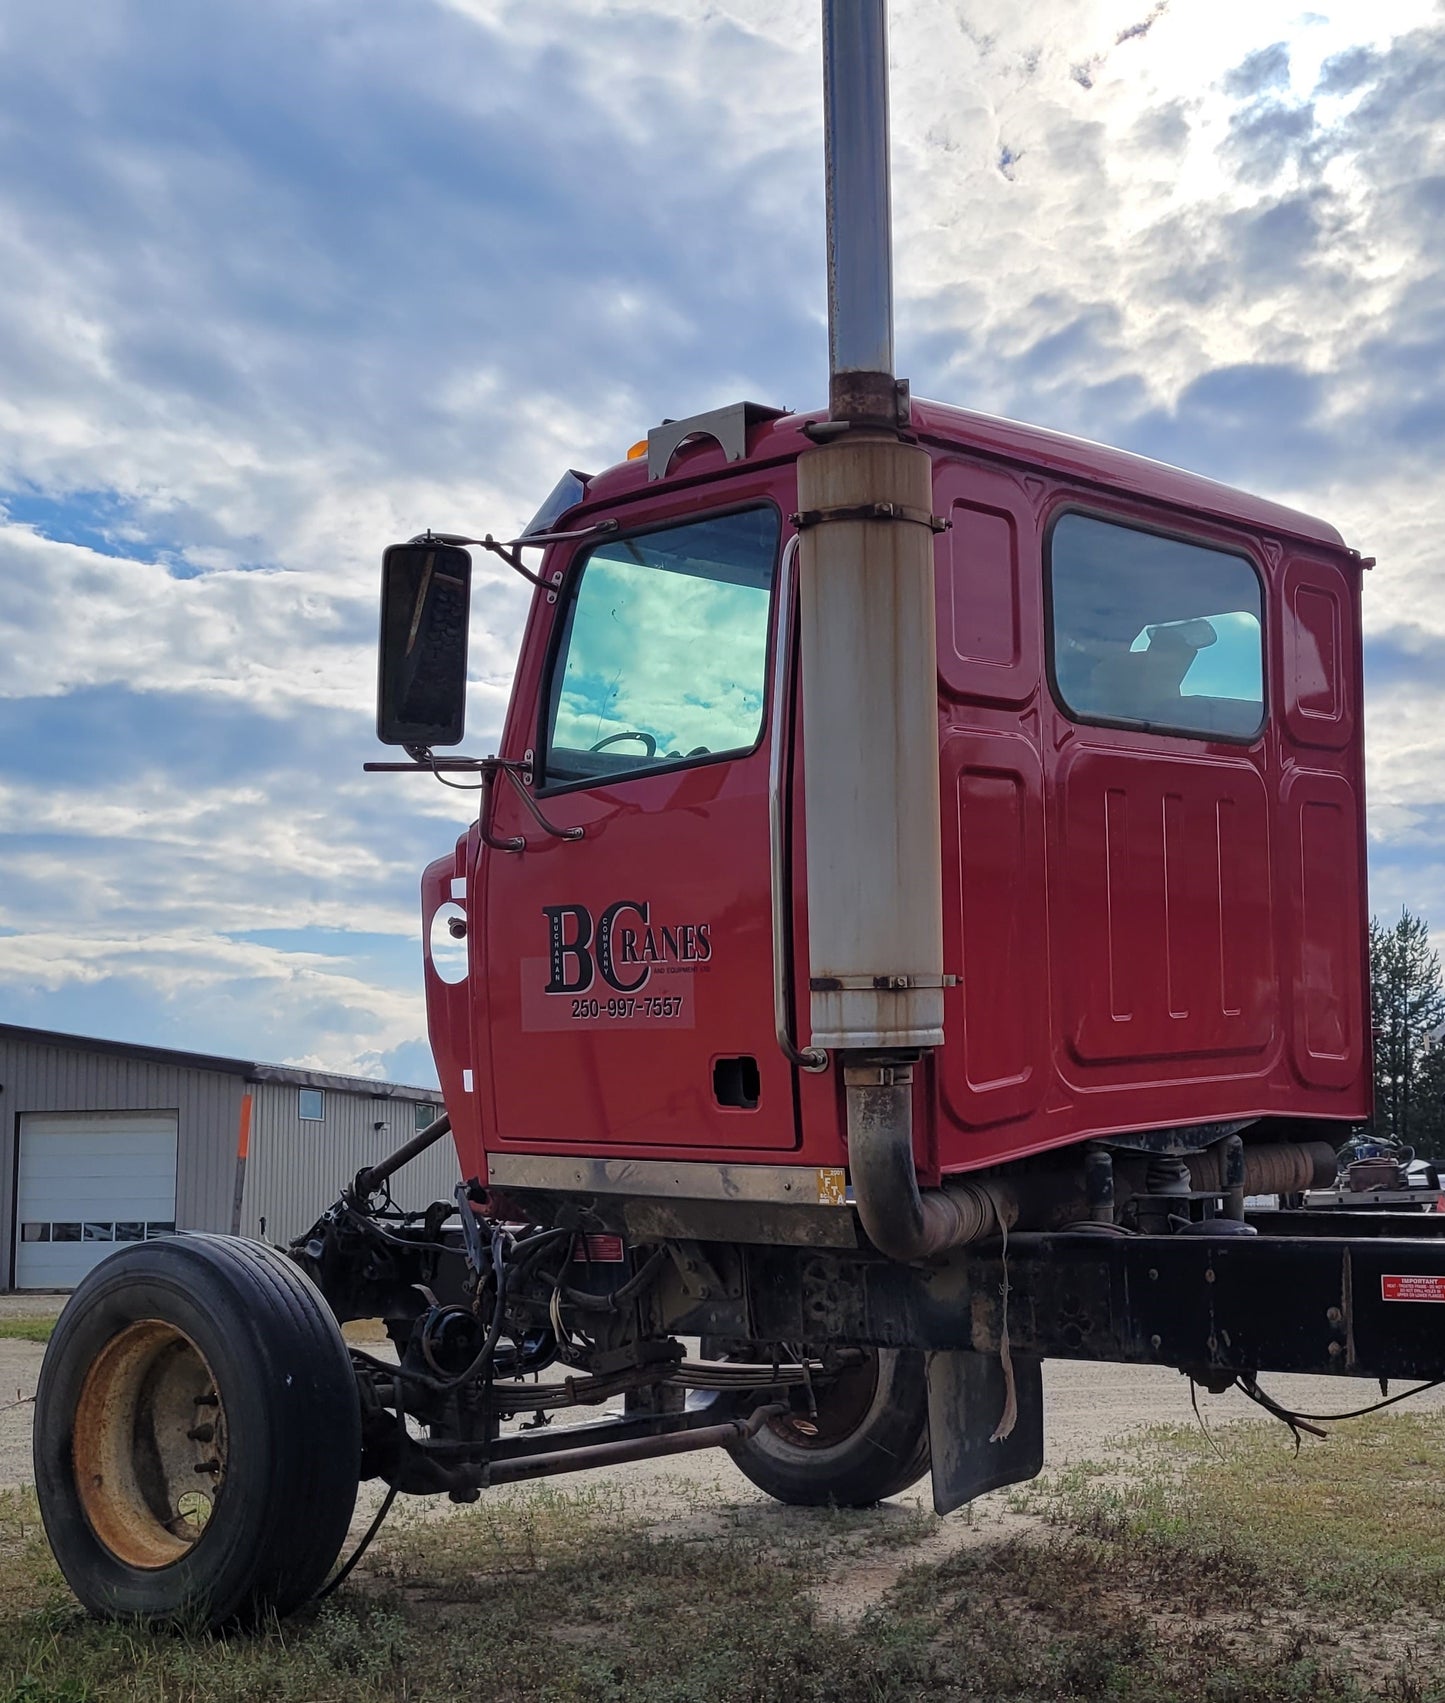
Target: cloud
280,284
1265,69
181,989
1345,72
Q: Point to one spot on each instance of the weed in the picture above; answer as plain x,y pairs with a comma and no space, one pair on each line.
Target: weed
28,1329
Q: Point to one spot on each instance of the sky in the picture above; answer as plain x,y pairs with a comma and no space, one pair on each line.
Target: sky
282,281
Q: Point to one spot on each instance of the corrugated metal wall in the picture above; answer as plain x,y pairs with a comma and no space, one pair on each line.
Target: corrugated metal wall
298,1166
44,1078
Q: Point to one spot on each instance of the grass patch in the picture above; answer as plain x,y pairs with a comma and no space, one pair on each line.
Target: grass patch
545,1595
1354,1525
1181,1579
28,1329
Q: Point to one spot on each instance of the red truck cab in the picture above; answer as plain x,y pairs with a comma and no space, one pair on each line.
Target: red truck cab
1150,763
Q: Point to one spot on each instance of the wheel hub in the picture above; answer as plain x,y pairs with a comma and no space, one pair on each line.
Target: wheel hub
842,1404
150,1444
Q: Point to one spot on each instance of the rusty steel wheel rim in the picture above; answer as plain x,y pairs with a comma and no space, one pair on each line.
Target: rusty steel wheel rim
843,1405
149,1447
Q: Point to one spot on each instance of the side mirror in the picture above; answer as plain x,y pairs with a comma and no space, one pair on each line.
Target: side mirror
421,691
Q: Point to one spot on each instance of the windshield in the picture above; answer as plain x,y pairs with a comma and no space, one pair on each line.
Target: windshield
663,656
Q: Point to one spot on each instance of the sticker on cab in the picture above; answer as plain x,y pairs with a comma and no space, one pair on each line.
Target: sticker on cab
832,1186
618,968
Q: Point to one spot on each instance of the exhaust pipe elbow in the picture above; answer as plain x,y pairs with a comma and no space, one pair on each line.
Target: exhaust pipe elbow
1270,1167
900,1220
907,1224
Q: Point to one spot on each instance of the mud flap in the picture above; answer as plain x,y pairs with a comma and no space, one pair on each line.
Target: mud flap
966,1396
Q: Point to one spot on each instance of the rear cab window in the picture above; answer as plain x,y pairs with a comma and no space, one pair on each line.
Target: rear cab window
663,649
1155,632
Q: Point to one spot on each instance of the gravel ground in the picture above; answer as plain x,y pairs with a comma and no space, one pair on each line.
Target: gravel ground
19,1368
34,1304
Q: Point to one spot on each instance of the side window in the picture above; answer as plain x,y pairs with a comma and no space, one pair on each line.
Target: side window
1155,632
311,1104
663,654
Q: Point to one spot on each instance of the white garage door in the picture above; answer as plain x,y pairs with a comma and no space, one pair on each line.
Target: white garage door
87,1181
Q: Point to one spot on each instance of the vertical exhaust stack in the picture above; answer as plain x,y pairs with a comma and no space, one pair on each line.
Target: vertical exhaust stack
866,601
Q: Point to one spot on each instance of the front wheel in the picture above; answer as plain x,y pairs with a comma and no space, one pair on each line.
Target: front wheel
197,1434
868,1441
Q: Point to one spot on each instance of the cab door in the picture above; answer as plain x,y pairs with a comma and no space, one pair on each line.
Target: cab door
629,971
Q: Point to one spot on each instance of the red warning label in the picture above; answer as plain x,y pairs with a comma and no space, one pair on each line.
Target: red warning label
1412,1288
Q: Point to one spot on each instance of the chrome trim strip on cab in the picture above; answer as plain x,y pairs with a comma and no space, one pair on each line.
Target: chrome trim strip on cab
784,1185
806,1058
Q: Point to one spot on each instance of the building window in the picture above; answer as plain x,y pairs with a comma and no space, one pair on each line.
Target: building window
426,1115
1154,632
312,1105
129,1231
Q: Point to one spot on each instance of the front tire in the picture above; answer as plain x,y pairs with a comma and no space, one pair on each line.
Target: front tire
197,1434
869,1441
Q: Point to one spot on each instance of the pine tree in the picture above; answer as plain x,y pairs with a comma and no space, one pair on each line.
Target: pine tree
1407,999
1427,1121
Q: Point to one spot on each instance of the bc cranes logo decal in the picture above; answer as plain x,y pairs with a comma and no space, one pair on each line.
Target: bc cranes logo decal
616,968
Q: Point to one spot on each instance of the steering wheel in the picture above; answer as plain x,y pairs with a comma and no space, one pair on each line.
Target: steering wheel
612,739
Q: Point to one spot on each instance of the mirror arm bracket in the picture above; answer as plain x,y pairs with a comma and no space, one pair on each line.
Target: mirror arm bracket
511,550
513,772
513,842
425,762
511,554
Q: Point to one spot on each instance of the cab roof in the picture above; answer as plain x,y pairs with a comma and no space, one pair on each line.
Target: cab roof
936,424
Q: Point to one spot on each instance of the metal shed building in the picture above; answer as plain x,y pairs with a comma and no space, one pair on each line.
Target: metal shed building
102,1141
